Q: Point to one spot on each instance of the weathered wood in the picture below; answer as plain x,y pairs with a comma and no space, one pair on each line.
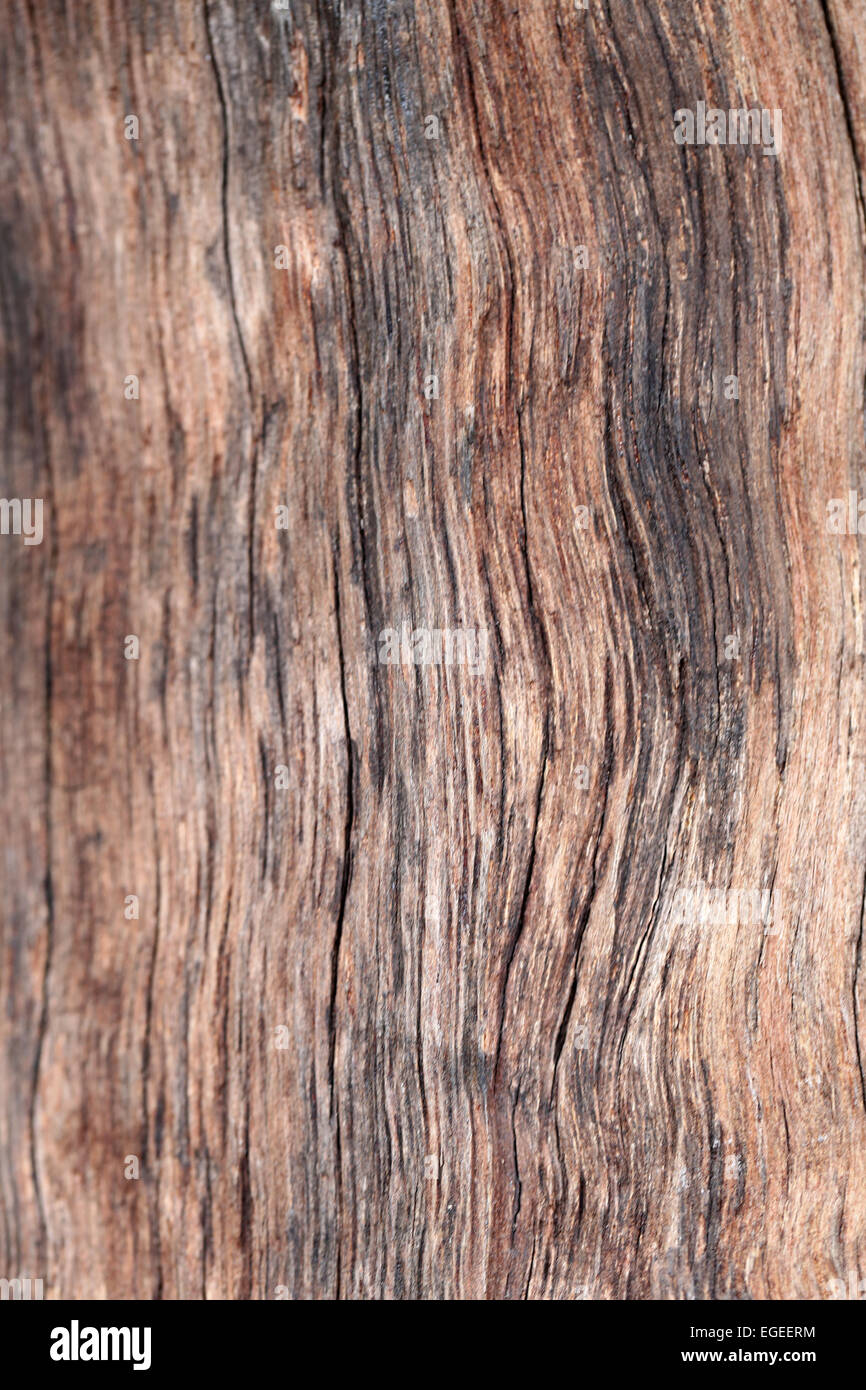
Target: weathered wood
416,1017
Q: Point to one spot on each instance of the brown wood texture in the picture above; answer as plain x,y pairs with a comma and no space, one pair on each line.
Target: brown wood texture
416,1017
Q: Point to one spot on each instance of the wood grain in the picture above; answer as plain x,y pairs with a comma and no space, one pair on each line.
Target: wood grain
415,1017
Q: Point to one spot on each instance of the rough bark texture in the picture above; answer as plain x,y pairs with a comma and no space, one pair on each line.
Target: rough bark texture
506,1070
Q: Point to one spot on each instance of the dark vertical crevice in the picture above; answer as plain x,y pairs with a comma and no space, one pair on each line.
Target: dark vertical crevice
846,107
858,956
346,871
42,1026
227,256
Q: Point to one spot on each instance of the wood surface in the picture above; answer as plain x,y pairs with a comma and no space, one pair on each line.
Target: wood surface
414,1017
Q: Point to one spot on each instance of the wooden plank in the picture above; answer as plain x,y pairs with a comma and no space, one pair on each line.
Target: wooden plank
471,513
